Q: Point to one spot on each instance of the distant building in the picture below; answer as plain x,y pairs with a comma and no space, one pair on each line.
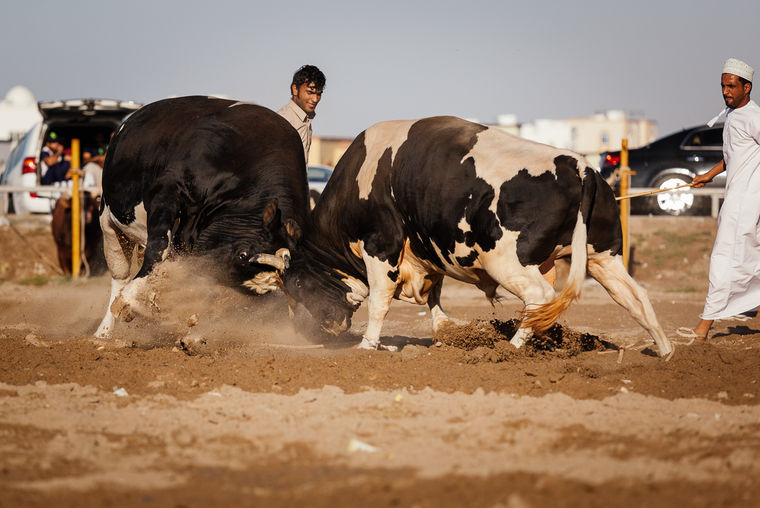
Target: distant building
327,151
589,136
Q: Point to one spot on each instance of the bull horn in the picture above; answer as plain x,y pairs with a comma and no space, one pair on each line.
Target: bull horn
269,259
285,255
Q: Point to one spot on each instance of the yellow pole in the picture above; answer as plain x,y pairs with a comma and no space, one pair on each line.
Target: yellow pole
75,214
625,205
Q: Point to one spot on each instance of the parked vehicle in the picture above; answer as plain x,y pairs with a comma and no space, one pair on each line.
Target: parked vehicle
668,162
318,177
85,119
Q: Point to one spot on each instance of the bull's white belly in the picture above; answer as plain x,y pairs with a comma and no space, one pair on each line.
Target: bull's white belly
417,276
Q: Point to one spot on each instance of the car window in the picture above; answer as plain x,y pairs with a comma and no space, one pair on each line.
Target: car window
711,139
18,153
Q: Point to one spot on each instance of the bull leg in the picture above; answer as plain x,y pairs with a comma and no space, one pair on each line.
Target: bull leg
434,304
381,291
525,282
156,250
610,273
119,253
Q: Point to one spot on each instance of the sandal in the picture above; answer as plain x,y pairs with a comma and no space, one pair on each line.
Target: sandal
689,334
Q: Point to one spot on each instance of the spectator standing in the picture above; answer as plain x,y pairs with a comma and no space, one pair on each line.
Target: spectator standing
306,92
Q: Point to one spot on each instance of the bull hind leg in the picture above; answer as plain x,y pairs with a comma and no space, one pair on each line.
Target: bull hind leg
525,282
609,272
119,251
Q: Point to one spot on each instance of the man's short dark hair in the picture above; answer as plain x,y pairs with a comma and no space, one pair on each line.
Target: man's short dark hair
309,74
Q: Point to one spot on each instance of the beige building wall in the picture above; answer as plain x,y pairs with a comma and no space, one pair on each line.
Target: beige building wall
327,151
589,136
605,132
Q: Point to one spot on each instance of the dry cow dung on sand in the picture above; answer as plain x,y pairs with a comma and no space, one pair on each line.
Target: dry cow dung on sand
496,333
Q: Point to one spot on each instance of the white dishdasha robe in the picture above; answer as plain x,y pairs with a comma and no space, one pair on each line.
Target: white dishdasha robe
735,259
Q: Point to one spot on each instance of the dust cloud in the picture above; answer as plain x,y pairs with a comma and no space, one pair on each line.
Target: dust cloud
185,306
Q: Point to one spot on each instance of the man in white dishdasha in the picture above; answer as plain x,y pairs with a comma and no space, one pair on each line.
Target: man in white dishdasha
735,260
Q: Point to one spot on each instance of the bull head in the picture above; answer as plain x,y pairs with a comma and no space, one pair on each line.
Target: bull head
278,233
321,290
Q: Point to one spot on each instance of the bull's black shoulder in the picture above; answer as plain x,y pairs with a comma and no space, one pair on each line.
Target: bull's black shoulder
436,185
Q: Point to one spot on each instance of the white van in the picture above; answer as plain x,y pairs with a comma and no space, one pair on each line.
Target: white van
89,120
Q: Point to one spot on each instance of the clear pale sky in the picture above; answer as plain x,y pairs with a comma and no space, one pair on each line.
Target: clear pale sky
390,59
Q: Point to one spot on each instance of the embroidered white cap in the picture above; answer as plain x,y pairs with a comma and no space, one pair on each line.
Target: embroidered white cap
738,68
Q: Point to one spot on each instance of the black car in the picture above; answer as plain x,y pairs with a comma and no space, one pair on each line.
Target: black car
668,162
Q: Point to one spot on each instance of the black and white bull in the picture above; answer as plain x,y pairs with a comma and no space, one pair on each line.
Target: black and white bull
207,176
412,201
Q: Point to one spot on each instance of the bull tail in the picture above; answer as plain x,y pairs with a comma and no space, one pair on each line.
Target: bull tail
542,317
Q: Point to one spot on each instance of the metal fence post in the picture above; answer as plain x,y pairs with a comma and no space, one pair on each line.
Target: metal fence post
75,210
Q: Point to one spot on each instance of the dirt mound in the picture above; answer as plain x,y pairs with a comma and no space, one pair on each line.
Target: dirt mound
490,334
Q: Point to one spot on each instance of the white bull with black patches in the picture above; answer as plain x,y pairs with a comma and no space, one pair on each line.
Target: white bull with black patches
413,201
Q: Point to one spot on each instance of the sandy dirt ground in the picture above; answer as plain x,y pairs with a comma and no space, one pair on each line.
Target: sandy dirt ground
260,410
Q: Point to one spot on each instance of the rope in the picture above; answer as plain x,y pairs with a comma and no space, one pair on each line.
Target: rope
656,191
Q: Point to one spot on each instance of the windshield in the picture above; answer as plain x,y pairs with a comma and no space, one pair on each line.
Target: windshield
18,153
317,174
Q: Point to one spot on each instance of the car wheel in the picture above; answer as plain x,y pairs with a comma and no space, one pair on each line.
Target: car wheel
678,202
313,198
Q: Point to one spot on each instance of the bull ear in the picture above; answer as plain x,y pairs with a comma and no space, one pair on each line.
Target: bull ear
292,232
293,229
271,215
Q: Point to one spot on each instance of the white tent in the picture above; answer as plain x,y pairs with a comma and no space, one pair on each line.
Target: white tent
18,112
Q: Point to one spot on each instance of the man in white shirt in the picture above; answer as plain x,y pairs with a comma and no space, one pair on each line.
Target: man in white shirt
306,92
735,260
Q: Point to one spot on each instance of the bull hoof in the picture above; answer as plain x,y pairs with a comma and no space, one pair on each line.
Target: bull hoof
121,309
371,345
127,310
367,344
518,339
126,314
